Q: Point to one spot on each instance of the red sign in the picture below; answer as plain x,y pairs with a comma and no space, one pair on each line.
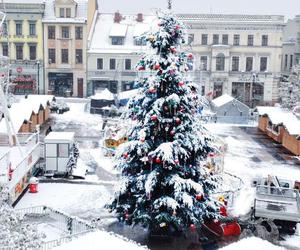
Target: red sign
19,69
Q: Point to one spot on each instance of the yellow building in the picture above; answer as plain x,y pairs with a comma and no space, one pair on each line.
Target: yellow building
22,42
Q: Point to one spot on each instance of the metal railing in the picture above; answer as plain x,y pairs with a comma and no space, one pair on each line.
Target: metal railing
267,190
72,226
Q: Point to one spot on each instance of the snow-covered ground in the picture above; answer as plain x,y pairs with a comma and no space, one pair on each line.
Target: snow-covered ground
101,240
246,157
84,201
252,243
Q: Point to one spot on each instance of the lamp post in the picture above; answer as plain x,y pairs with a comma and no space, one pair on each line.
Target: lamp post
38,76
252,79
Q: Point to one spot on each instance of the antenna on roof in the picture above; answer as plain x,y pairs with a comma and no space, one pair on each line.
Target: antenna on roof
169,4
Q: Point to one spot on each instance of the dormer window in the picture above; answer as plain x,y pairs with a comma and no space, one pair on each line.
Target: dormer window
140,41
117,40
118,34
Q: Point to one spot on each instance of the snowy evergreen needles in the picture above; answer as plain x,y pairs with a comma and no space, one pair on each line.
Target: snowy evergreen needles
290,91
166,186
15,234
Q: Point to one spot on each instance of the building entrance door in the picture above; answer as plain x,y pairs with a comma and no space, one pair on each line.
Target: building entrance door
80,87
61,84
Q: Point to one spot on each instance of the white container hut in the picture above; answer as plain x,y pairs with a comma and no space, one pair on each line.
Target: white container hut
58,148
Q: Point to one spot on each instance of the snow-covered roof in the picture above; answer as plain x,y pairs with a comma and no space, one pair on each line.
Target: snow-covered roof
81,13
18,113
221,100
25,2
140,29
21,111
232,18
103,95
118,29
279,116
128,94
37,100
128,28
60,137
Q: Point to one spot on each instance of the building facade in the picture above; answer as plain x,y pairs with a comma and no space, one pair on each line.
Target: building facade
239,55
114,49
291,44
22,42
66,25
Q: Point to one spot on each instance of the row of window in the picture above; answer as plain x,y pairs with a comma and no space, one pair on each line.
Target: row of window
224,39
19,28
64,56
65,12
118,40
65,32
235,63
113,64
20,50
288,63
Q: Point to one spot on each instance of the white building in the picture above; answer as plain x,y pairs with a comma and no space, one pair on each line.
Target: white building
113,50
239,55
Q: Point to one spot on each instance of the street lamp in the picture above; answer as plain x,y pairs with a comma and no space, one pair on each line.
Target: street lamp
252,80
38,76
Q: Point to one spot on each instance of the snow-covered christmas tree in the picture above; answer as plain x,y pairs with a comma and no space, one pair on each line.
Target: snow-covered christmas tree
165,183
14,233
289,90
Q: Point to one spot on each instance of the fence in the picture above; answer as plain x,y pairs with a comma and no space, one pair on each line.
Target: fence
72,226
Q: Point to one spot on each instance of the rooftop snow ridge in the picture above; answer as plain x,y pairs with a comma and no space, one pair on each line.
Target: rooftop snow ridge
231,17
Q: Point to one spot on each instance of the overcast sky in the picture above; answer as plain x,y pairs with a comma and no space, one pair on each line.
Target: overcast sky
289,8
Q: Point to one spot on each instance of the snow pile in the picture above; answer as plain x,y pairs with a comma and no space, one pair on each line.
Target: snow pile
252,243
100,240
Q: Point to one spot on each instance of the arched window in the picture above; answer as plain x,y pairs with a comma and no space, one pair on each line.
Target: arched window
220,62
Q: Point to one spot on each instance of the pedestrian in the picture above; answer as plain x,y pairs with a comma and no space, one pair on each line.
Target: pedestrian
48,130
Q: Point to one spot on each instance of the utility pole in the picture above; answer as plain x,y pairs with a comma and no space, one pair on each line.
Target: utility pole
169,4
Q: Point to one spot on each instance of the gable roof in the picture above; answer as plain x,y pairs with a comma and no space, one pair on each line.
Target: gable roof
279,116
221,100
81,13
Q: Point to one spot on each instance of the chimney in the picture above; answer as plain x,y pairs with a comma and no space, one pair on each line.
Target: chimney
117,17
139,17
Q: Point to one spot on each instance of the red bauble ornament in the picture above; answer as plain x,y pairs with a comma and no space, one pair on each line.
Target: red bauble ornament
172,132
126,216
158,160
193,227
142,139
152,90
199,197
180,84
176,161
177,27
190,56
177,120
153,117
141,68
156,67
125,155
173,50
